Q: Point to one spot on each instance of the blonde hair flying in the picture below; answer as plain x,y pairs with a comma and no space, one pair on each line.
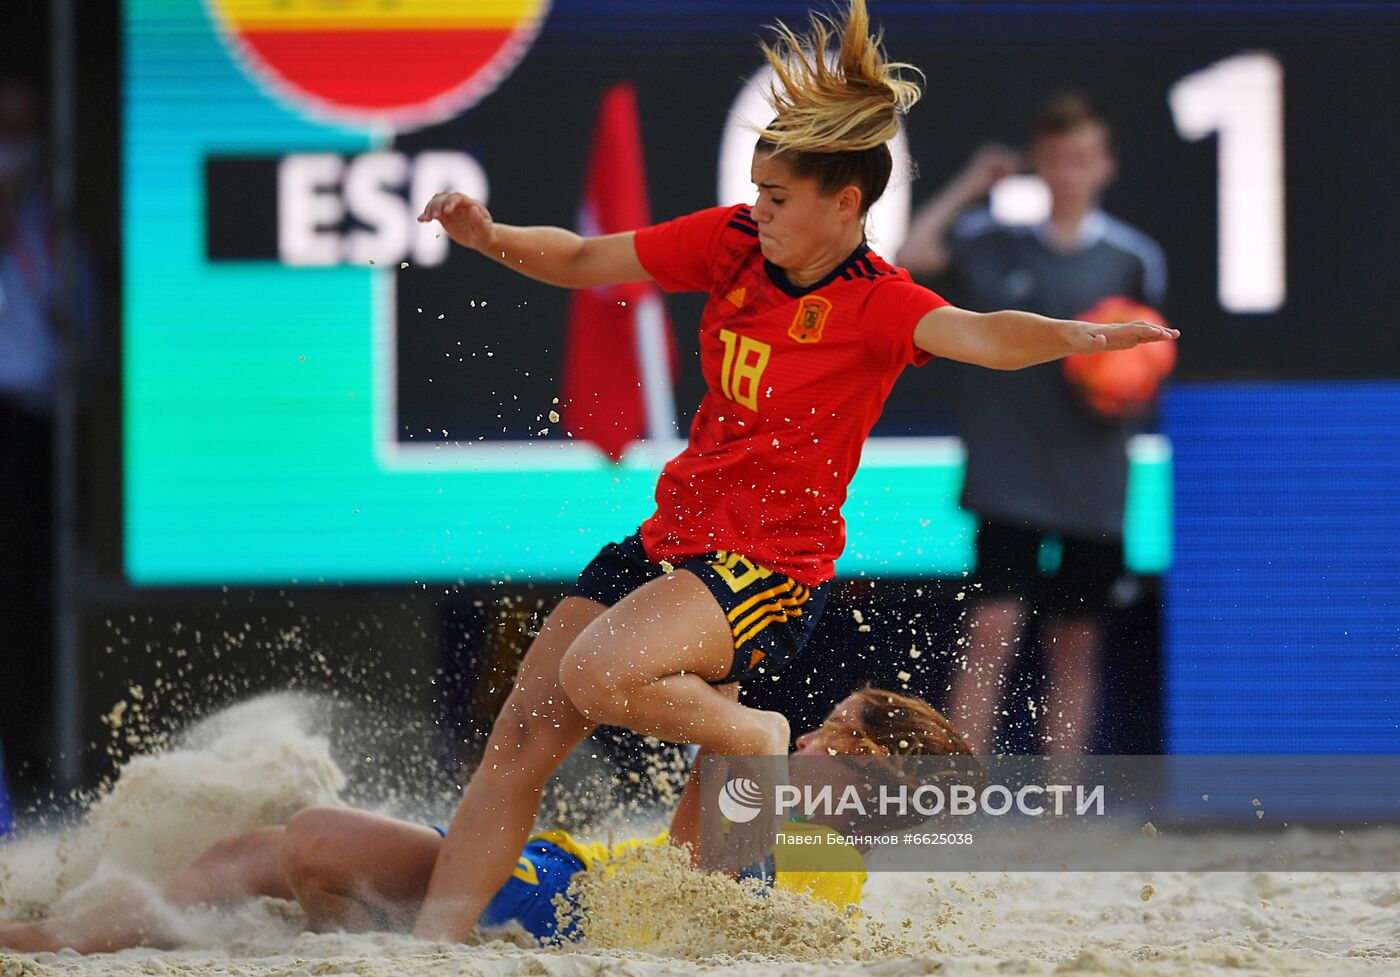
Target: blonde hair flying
850,103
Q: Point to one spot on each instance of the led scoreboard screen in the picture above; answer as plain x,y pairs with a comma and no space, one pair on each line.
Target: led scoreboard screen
317,388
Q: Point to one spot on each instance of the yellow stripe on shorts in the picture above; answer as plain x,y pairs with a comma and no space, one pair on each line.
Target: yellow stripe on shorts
795,598
780,615
781,609
785,587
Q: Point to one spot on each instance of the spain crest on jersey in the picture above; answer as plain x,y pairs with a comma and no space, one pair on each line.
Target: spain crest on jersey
811,316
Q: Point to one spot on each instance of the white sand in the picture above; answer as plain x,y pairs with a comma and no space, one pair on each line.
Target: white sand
257,764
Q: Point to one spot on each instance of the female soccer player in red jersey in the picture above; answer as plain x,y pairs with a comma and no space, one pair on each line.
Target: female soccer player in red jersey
803,335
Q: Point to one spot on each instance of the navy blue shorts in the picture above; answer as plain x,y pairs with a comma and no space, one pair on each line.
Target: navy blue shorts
1067,576
770,615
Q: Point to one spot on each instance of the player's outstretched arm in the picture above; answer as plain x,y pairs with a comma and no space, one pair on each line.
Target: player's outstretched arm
549,254
1014,340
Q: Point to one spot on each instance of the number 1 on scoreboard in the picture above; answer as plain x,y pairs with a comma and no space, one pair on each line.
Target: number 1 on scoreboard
1241,100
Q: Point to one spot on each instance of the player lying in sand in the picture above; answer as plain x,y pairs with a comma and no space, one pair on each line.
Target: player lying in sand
356,870
804,332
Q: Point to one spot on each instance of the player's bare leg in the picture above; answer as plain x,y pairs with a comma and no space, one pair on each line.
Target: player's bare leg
1072,653
356,870
238,868
348,869
995,631
537,728
685,822
647,663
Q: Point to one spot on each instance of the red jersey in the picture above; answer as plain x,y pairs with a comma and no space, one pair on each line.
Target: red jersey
796,376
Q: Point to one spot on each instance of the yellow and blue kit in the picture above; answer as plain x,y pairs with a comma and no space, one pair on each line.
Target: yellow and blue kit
528,898
551,860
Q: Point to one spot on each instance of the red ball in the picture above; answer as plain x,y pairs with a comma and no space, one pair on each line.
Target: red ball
1122,382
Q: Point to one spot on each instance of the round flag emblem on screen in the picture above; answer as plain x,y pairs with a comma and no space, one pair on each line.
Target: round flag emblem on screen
394,63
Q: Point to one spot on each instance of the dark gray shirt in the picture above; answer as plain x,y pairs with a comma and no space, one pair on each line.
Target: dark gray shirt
1035,454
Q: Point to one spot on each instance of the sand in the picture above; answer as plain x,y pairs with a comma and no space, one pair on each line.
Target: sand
257,763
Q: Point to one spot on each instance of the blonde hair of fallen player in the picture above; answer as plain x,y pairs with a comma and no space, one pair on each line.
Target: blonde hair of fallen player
646,662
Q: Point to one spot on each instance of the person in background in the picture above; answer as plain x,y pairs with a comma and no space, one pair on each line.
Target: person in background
28,361
1046,477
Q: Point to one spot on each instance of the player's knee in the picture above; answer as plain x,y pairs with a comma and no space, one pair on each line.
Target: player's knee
236,848
305,843
588,683
526,734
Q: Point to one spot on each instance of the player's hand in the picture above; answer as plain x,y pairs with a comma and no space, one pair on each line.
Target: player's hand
989,165
466,221
1090,337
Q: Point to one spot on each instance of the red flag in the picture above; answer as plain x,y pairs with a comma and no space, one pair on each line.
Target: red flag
616,359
